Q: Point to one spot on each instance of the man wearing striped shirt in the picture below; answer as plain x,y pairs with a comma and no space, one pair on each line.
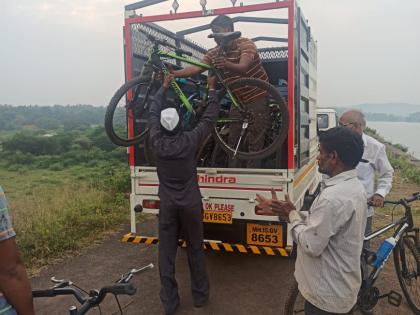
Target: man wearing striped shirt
240,60
330,236
15,290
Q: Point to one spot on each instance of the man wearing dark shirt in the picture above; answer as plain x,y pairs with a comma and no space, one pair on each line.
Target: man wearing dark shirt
180,199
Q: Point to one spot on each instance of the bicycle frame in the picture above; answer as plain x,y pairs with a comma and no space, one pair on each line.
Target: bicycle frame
155,59
405,224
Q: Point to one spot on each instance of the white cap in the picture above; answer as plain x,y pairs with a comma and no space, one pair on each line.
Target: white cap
169,118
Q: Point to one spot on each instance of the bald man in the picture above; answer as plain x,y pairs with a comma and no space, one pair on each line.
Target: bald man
376,164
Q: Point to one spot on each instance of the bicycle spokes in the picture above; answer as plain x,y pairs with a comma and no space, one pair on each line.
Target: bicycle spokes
253,120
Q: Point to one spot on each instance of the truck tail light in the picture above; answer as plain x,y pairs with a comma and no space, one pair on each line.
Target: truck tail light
151,204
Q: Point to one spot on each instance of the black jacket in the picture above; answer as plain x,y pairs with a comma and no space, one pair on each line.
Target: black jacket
176,155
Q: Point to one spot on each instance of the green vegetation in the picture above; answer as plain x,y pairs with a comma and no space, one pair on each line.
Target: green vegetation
57,212
402,163
66,183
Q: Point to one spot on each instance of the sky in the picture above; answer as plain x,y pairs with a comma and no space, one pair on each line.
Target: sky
71,51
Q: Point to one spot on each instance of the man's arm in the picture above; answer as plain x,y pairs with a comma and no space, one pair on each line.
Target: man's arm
314,233
248,53
194,70
241,68
155,108
385,173
207,120
14,282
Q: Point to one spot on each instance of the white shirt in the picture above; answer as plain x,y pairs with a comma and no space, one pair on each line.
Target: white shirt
329,244
378,164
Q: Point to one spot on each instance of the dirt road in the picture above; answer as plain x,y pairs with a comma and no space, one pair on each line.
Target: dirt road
240,284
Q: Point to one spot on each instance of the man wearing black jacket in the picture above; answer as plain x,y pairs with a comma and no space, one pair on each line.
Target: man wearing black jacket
180,199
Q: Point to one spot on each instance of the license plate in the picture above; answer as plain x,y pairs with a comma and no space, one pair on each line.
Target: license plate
223,217
266,235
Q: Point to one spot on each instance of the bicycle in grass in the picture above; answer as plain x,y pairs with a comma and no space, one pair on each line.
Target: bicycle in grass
406,260
132,100
93,298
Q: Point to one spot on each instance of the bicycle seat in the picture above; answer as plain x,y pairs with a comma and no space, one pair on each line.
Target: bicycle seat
225,37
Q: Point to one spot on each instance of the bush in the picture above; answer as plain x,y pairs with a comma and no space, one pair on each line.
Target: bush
52,221
408,170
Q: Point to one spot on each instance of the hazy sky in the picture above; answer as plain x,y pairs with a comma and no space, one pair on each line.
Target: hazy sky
70,51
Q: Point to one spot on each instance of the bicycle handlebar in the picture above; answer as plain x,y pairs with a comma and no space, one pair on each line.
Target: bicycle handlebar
402,201
94,298
60,291
415,196
127,277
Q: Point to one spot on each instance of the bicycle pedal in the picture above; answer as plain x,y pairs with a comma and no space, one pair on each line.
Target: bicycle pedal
394,298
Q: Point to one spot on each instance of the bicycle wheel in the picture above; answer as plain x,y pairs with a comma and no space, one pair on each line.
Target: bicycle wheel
258,127
295,303
129,103
407,265
209,154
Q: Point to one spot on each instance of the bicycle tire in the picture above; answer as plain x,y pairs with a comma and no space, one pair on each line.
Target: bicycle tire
278,138
294,302
406,246
110,129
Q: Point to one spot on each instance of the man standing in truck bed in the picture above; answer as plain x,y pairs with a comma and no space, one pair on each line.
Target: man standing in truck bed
240,60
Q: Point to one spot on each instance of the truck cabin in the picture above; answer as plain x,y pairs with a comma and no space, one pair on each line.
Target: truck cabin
326,118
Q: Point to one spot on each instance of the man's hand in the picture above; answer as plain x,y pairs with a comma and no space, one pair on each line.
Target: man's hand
220,63
211,82
170,68
167,81
274,206
376,200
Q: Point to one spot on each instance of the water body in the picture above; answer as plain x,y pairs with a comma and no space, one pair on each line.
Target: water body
405,133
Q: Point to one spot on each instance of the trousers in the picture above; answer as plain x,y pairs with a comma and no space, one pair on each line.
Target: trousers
173,221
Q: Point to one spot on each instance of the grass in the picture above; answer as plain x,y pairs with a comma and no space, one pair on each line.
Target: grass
55,212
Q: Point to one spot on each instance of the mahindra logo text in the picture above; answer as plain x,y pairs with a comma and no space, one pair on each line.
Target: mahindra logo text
216,179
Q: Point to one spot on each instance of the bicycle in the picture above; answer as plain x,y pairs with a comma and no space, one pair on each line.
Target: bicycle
135,94
93,298
406,254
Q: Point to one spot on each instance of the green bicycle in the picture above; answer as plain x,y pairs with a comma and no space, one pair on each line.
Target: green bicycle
130,103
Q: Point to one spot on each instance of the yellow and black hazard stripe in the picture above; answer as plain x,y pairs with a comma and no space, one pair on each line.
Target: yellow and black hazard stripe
216,246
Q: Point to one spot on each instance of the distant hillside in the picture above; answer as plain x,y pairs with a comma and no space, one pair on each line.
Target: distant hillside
396,109
386,112
14,118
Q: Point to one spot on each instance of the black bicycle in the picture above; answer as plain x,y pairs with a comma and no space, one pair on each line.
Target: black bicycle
130,103
93,298
406,251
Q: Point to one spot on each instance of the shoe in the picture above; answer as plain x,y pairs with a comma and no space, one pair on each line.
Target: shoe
201,303
367,312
